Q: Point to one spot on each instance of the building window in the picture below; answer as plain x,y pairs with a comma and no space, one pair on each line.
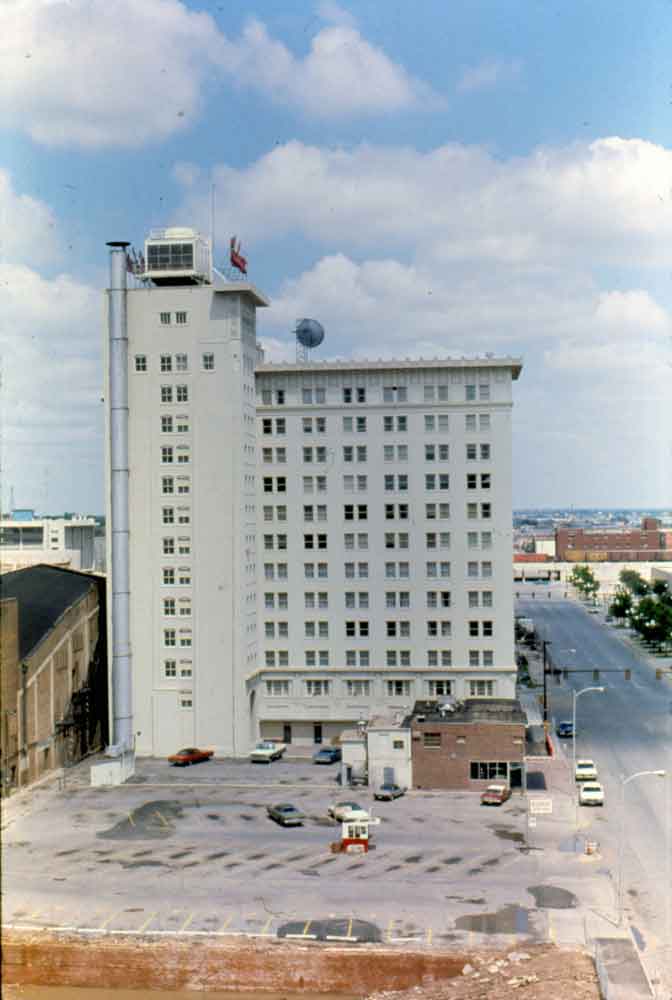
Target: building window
166,363
186,701
169,637
277,689
166,455
470,393
480,770
431,741
169,607
180,318
440,689
481,689
168,515
170,668
181,363
398,689
168,576
208,362
317,689
141,362
358,688
164,318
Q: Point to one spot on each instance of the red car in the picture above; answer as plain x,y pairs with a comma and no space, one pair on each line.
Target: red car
189,756
495,795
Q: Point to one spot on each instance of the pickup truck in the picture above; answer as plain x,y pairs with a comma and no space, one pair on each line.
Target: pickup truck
266,751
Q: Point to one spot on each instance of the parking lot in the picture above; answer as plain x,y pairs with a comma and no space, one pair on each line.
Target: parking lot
192,852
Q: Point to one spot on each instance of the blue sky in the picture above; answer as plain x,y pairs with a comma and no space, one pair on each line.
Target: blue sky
426,179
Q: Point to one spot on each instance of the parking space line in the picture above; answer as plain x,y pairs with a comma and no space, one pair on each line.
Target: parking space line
161,817
225,924
264,929
388,933
106,923
130,820
551,929
143,927
429,935
305,929
35,915
187,922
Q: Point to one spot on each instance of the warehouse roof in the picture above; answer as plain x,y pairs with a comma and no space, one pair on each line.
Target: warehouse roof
43,593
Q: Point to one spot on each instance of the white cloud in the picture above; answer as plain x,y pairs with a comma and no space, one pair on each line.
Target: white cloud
607,200
488,74
27,226
95,73
342,74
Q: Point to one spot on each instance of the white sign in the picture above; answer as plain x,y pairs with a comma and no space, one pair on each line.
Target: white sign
531,820
539,806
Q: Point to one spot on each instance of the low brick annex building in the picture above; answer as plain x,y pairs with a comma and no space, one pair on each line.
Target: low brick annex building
469,744
53,674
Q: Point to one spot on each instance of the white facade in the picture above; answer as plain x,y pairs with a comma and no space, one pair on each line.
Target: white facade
192,353
57,541
385,539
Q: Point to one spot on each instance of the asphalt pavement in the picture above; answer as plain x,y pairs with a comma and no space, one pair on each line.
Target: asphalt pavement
625,730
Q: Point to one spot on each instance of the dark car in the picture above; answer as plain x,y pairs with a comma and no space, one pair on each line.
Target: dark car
286,814
190,755
388,792
565,730
328,755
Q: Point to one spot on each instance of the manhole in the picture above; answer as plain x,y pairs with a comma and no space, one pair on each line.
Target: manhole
550,897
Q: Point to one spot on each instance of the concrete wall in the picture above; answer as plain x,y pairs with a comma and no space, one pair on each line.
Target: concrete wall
390,757
448,766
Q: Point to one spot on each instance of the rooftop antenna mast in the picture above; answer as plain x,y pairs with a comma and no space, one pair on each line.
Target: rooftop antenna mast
212,223
309,335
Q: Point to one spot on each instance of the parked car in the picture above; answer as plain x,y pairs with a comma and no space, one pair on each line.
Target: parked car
347,810
565,730
327,755
585,770
388,792
266,751
495,795
591,794
190,755
286,814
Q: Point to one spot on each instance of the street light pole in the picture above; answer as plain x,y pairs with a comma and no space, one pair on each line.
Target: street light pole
621,835
575,696
544,644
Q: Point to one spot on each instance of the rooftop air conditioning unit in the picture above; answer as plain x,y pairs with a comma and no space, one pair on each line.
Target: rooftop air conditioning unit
177,256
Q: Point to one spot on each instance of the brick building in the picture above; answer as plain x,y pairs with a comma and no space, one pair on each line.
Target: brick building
53,671
646,544
469,746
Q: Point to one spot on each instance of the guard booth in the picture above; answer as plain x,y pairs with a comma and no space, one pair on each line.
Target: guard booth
355,836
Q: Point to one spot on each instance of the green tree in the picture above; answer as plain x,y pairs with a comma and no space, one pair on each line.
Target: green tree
583,578
662,591
621,606
634,582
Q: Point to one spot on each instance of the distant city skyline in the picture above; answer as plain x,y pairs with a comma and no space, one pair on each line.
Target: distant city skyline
424,186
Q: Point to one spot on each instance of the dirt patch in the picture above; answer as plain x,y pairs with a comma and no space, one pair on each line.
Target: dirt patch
551,897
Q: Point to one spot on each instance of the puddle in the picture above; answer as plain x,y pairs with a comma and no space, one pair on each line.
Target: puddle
351,868
633,893
143,864
473,900
179,854
509,920
452,861
268,868
491,862
550,897
217,856
63,854
232,864
434,868
506,833
309,871
475,871
212,816
141,854
256,857
393,868
413,859
246,817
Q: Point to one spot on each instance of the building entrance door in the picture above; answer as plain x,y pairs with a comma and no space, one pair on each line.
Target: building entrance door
317,732
286,733
515,775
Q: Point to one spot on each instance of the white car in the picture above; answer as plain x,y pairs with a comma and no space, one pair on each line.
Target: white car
591,794
585,770
341,811
266,751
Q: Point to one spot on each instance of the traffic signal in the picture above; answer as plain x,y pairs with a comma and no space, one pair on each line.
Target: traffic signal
596,675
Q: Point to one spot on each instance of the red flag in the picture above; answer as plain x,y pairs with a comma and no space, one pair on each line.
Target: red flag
237,260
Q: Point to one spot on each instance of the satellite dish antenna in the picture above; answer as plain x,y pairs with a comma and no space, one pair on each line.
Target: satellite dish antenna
309,335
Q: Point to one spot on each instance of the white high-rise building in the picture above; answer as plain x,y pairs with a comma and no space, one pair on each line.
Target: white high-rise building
332,542
385,539
192,452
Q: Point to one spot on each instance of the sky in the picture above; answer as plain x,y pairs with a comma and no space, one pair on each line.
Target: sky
428,180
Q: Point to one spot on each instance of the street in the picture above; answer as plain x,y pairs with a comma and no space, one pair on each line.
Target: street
626,729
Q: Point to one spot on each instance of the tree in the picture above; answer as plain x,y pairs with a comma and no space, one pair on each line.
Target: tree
621,606
634,582
583,578
662,591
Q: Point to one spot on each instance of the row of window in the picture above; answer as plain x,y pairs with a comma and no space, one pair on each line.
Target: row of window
317,395
360,570
166,318
393,658
393,629
392,540
392,483
362,687
433,422
175,362
360,599
320,454
392,512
